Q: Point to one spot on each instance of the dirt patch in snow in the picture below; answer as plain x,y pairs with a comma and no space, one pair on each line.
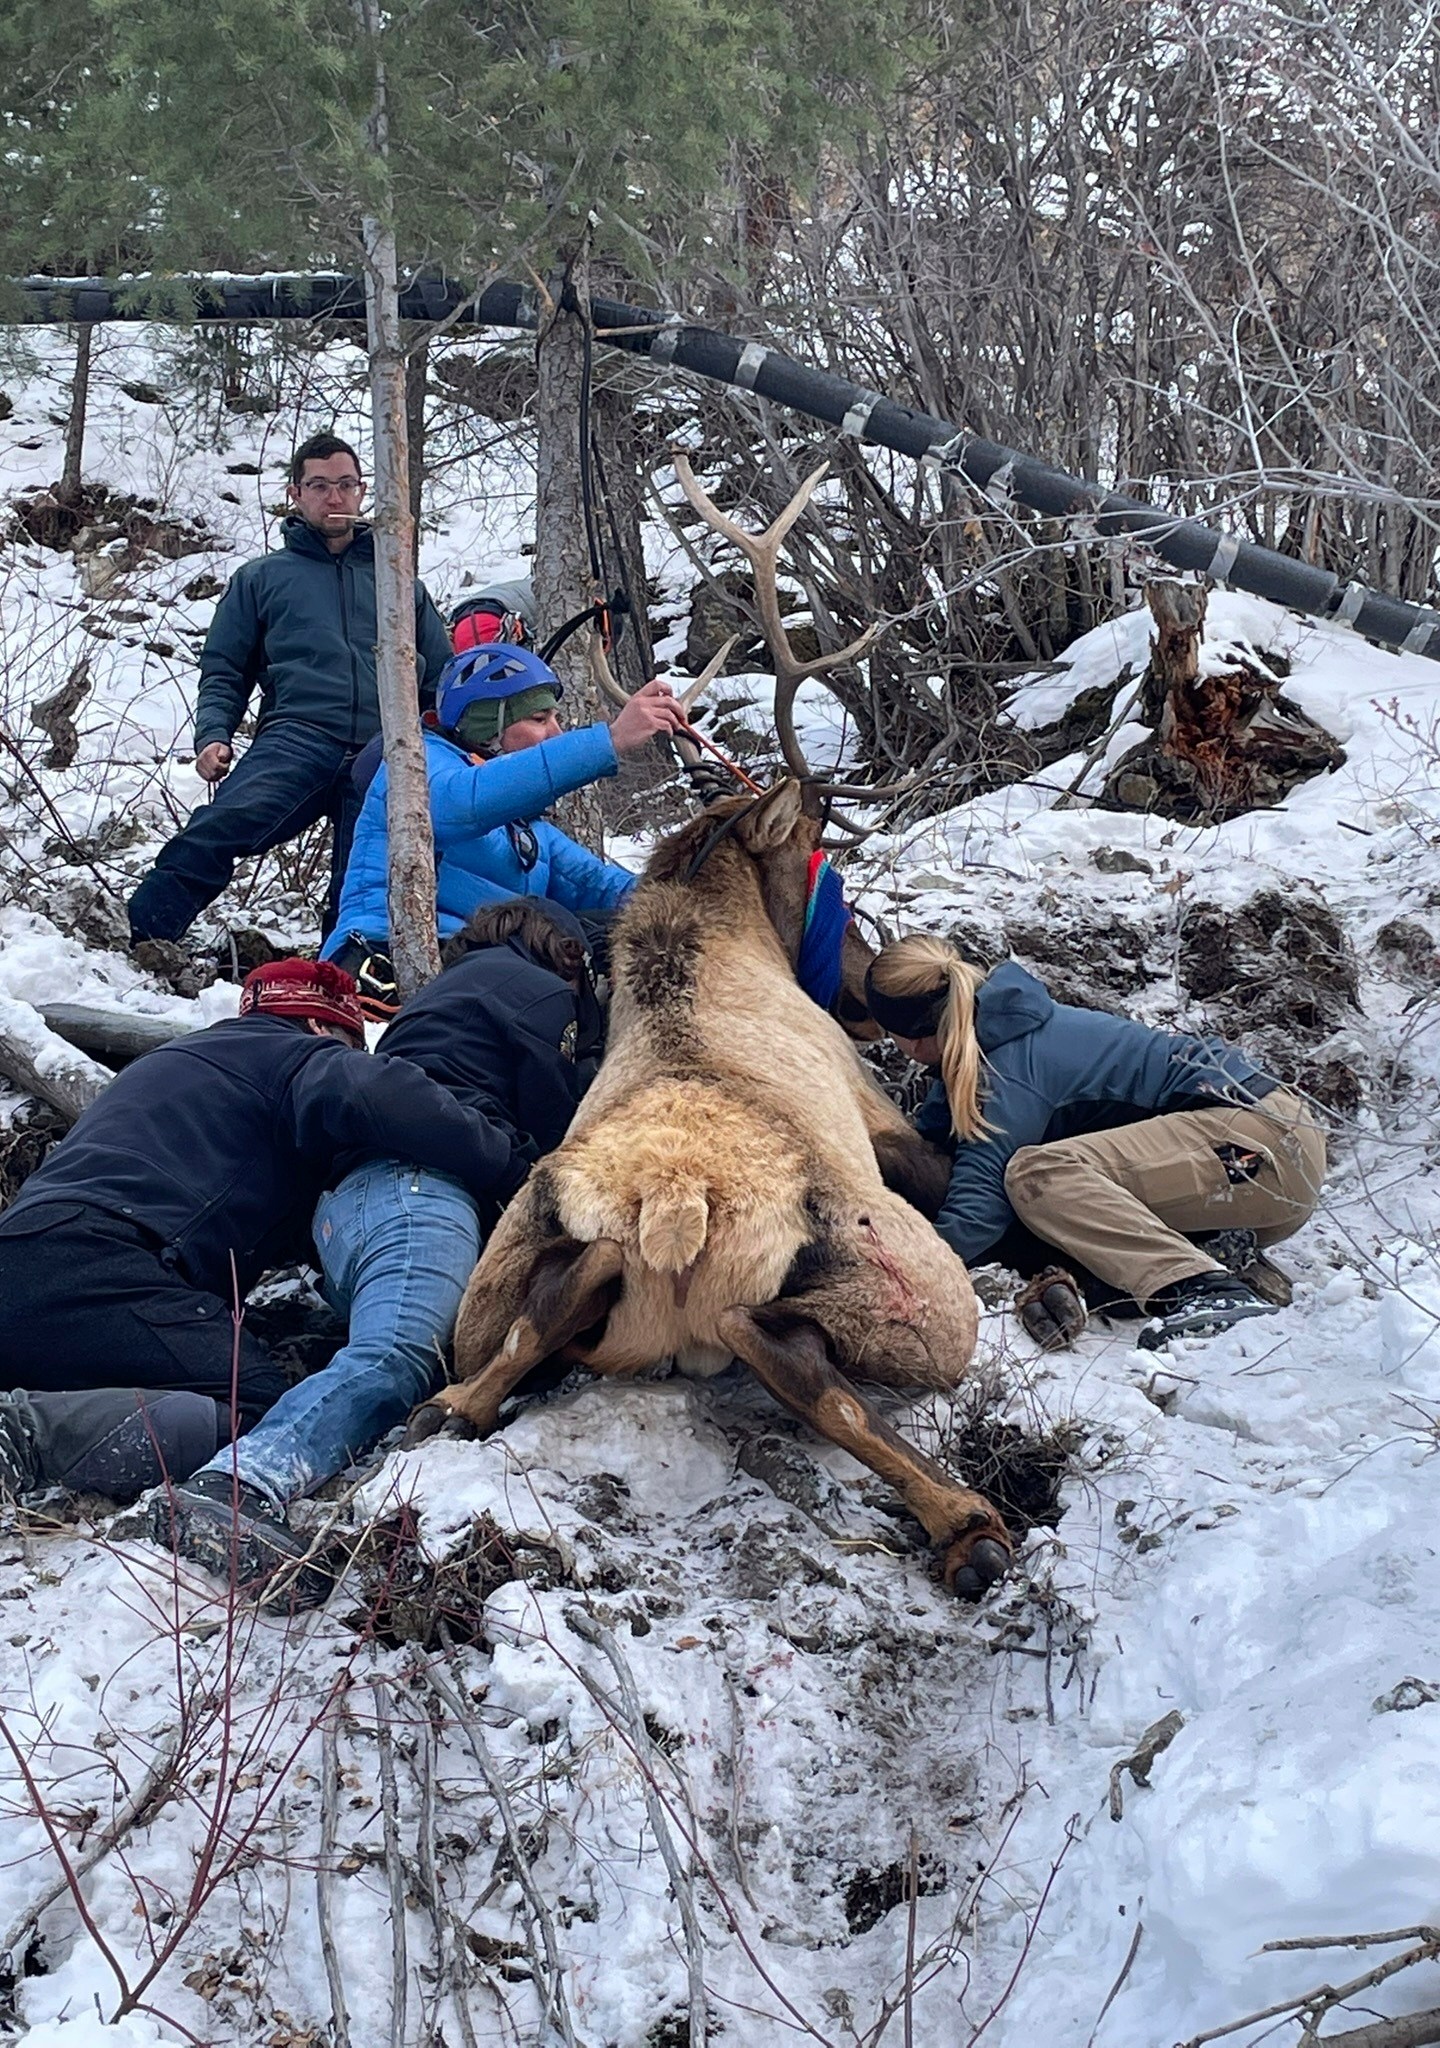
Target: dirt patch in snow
95,516
24,1143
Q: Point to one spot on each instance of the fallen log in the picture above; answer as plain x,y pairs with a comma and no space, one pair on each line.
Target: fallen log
111,1035
39,1062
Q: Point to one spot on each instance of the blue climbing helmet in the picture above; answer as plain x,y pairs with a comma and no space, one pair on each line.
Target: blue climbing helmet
481,674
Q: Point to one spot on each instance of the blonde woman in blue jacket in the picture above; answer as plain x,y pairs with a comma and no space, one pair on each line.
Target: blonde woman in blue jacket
1117,1144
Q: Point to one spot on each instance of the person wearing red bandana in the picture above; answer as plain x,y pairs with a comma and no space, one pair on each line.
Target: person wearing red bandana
127,1255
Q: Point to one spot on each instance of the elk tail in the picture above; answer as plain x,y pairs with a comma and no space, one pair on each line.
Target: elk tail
674,1220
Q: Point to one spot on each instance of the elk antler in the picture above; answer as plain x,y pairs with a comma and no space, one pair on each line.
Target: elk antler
614,692
762,552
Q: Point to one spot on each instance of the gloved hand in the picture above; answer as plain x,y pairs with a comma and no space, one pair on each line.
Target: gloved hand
1051,1309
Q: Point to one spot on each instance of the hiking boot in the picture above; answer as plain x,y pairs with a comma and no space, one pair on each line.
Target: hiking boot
1051,1310
19,1455
1199,1307
181,970
228,1526
1239,1253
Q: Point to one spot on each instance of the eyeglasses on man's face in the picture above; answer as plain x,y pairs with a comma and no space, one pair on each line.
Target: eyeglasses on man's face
318,487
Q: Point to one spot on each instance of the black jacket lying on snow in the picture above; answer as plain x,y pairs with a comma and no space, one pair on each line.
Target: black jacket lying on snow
222,1143
506,1036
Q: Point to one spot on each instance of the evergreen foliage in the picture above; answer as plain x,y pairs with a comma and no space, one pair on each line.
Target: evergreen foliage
152,138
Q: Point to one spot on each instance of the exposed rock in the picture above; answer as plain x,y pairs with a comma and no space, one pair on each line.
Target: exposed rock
713,619
170,963
96,516
1114,860
1086,718
1409,947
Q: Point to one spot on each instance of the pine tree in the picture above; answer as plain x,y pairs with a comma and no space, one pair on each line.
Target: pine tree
430,135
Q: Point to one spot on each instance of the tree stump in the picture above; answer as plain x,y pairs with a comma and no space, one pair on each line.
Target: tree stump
1225,742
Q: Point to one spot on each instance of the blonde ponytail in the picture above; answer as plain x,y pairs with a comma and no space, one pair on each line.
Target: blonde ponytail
921,966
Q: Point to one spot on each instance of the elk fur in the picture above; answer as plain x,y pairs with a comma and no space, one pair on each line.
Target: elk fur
720,1193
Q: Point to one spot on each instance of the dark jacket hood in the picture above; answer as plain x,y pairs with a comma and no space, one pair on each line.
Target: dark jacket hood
298,534
1009,1004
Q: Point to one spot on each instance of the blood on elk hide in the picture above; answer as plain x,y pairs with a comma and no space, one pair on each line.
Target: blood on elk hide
1223,744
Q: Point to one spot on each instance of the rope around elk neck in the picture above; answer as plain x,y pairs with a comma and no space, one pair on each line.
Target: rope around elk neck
714,836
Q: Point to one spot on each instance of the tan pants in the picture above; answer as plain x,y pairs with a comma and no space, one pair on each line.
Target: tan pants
1118,1201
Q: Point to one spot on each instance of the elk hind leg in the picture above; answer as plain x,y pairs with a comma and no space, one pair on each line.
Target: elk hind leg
793,1362
571,1286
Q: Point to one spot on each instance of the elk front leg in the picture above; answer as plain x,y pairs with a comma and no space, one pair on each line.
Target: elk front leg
571,1286
795,1365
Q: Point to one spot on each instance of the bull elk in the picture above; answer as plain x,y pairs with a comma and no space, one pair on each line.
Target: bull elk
728,1188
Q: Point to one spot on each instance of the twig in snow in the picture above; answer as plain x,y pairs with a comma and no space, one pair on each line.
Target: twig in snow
1152,1743
1414,2030
912,1902
1271,1948
446,1932
15,1942
542,1920
325,1878
1119,1985
681,1879
1071,791
737,1739
1072,1835
1311,2006
394,1864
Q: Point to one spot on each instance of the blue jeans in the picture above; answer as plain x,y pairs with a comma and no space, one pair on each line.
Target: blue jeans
289,775
397,1245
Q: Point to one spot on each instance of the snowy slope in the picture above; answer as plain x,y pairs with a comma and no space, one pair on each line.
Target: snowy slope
684,1623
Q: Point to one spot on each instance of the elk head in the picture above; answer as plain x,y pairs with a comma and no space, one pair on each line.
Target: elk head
776,834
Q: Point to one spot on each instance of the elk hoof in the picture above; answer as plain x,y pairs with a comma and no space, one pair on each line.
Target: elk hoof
458,1429
978,1565
426,1421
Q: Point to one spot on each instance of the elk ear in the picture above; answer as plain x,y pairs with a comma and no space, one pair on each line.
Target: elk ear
773,819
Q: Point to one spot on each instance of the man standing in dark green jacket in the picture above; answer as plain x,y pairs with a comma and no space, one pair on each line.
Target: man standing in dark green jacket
301,624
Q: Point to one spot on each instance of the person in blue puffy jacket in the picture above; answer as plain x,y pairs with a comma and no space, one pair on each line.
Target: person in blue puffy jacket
497,758
1116,1144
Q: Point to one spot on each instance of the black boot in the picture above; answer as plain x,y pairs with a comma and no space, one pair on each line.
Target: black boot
1239,1253
116,1441
1199,1306
232,1529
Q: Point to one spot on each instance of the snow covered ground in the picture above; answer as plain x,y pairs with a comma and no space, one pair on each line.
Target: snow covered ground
697,1707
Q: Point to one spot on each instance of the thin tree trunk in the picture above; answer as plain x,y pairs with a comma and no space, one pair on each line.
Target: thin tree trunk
414,946
618,445
563,583
75,423
417,374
